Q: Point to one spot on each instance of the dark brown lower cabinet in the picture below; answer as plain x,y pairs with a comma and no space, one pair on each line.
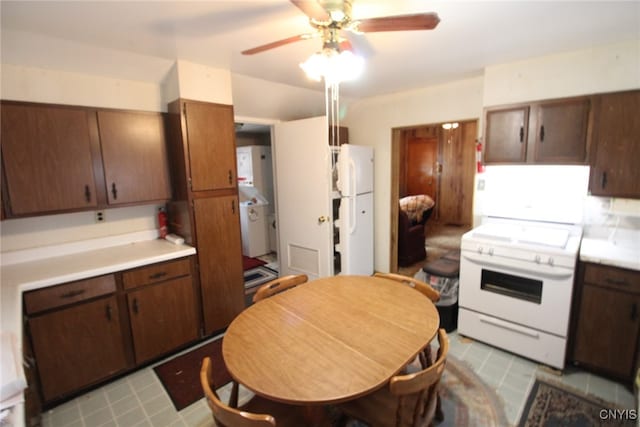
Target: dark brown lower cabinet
608,320
163,317
86,332
77,346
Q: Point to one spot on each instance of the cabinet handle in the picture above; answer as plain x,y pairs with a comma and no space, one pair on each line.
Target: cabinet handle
603,180
114,190
233,206
634,312
230,177
108,312
521,134
87,193
158,275
135,305
542,133
72,294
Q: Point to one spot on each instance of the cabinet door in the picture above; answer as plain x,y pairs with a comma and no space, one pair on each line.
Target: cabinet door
46,153
212,149
163,317
220,260
134,153
506,135
607,330
614,168
561,131
77,346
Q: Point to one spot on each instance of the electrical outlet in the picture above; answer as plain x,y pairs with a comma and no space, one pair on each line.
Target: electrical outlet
100,216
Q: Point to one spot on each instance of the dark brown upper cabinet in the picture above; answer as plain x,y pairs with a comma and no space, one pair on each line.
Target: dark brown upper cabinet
47,158
506,135
616,150
547,132
60,158
134,154
212,150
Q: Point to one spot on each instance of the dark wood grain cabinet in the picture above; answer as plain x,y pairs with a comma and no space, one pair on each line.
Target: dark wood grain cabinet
48,154
607,320
86,332
76,334
162,308
69,158
616,150
205,209
546,132
134,155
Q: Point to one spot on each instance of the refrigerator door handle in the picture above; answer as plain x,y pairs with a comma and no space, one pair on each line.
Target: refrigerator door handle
353,216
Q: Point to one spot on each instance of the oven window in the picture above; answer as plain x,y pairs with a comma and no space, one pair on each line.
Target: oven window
512,286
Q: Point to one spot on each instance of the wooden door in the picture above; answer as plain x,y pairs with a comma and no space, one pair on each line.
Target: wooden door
47,159
421,166
455,204
506,135
212,150
77,346
134,154
607,328
163,317
561,131
303,179
614,167
217,226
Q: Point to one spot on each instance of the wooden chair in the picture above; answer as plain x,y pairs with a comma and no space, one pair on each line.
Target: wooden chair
408,401
278,285
258,412
419,285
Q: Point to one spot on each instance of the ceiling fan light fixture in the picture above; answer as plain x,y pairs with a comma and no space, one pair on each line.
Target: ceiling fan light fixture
333,65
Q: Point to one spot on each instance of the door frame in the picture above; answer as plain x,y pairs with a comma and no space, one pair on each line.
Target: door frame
397,139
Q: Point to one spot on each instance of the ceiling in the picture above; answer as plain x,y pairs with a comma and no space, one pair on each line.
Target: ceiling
471,35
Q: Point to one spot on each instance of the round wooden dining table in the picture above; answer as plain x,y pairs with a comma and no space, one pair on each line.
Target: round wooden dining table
329,340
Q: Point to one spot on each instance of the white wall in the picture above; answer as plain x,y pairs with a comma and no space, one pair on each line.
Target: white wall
599,69
370,123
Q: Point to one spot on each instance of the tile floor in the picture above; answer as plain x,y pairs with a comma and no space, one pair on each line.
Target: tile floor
140,400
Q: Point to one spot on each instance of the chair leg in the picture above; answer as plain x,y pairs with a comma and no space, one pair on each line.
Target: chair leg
439,416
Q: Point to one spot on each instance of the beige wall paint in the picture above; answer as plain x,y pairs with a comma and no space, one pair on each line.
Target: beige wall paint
599,69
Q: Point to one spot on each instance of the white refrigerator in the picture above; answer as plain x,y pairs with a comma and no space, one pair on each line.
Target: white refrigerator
355,213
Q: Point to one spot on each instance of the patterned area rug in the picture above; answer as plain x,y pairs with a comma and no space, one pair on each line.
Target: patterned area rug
552,404
466,400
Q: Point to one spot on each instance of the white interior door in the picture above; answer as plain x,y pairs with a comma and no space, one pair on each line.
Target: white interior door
303,196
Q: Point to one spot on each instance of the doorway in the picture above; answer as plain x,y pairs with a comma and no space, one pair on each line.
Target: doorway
256,194
437,160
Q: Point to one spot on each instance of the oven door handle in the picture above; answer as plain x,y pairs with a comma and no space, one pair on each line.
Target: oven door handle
516,265
510,326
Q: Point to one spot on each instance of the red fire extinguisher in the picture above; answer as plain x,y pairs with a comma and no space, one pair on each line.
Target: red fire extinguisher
479,165
162,223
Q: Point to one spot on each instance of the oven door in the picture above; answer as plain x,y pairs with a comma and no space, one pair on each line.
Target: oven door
526,293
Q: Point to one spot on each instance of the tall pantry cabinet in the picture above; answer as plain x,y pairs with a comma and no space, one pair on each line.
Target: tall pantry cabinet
205,209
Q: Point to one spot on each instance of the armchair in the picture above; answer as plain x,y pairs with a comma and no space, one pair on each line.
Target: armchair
413,214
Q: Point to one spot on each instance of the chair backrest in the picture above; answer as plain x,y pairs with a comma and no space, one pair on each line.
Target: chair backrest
278,285
418,392
225,415
419,285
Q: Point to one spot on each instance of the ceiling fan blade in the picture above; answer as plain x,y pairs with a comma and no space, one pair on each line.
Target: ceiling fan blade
275,44
312,9
419,21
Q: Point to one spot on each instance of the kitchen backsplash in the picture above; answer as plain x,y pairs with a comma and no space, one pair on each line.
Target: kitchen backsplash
27,233
609,213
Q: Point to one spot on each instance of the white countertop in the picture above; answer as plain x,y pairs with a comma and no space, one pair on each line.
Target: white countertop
32,269
617,248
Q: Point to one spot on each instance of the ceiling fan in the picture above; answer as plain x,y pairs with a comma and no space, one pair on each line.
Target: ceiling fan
330,18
